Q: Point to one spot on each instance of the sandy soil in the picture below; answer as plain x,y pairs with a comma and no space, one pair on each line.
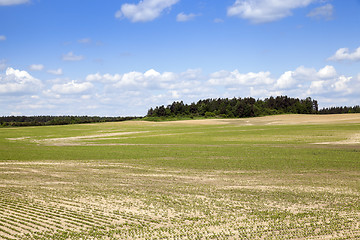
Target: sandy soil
278,120
353,139
73,140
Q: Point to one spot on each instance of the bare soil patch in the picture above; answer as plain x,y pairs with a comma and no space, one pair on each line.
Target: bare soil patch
68,141
353,139
288,119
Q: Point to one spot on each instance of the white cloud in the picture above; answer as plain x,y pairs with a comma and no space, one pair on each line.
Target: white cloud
145,84
301,82
344,54
70,56
148,79
36,67
341,85
327,72
12,2
135,79
2,38
303,74
182,17
292,79
72,87
325,11
286,80
58,71
16,81
261,11
106,78
133,93
261,92
235,78
152,74
327,81
316,87
314,83
144,11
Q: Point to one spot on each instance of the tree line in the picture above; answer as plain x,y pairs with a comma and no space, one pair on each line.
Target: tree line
339,110
237,107
18,121
217,107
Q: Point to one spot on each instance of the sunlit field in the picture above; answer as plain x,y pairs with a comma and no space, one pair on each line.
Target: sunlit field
278,177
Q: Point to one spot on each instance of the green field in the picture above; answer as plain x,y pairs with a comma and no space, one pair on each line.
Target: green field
279,177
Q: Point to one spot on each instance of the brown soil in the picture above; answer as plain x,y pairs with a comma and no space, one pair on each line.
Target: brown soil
288,119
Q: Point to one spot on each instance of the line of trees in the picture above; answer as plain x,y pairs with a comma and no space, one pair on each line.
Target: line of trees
339,110
19,121
237,107
217,107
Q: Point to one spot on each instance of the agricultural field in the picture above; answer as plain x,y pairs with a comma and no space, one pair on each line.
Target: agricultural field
276,177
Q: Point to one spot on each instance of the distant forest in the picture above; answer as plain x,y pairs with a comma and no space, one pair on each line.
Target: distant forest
218,107
246,107
339,110
19,121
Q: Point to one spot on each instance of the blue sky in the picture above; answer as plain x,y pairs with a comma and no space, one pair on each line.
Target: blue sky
119,58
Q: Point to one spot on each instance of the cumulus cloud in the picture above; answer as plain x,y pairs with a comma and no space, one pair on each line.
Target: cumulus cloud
341,85
262,92
325,12
303,73
58,71
143,85
182,17
12,2
135,92
316,87
145,10
105,78
235,78
70,56
72,87
36,67
292,79
301,82
16,81
148,79
261,11
345,54
2,38
286,80
328,81
327,72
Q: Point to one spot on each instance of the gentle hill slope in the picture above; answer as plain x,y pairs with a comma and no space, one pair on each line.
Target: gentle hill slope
286,119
